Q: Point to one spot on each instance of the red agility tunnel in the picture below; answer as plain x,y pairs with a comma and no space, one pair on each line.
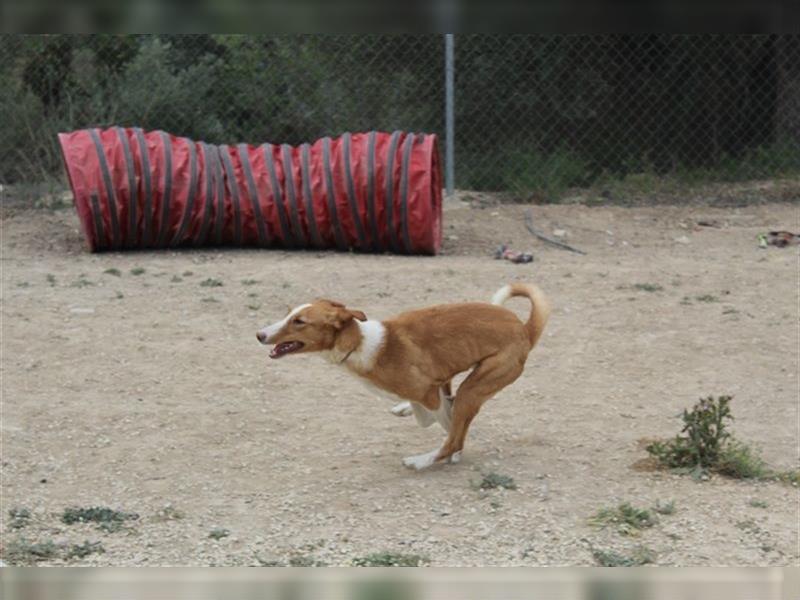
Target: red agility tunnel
371,192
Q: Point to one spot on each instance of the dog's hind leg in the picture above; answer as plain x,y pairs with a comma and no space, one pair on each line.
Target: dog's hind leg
455,414
488,378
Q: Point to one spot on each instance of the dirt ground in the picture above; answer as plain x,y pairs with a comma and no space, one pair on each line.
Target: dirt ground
145,391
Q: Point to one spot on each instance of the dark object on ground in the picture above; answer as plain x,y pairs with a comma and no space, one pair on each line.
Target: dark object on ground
371,192
781,239
541,236
505,252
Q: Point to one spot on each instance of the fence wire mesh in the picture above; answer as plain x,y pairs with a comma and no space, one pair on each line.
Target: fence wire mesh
545,114
535,116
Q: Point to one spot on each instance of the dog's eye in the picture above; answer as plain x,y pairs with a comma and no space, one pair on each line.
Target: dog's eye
299,321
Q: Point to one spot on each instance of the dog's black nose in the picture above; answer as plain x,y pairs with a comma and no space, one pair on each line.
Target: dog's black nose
262,337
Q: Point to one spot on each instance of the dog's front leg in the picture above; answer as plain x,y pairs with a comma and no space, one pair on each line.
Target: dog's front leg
403,409
423,461
424,417
444,414
439,407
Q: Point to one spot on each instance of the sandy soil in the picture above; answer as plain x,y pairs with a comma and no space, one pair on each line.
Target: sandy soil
143,391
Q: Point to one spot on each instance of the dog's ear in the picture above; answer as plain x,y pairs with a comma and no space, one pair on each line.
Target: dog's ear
341,316
357,314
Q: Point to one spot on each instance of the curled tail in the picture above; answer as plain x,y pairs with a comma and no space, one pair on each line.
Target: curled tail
540,309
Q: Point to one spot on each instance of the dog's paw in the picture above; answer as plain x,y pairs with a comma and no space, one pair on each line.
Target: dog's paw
402,410
454,458
421,461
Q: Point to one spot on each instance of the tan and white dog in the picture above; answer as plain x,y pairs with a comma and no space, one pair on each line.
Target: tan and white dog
415,355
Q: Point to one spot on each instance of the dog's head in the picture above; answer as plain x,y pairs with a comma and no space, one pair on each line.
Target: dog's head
308,328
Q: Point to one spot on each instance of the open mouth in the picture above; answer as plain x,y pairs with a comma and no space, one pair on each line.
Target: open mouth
284,348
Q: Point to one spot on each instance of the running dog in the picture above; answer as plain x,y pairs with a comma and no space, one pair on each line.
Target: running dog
415,355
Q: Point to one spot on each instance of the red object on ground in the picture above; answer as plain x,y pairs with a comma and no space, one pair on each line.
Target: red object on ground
370,192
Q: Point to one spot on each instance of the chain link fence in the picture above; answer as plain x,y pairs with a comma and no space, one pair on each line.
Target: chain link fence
545,114
535,116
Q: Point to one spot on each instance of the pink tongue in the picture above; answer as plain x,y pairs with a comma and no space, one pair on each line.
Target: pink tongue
282,349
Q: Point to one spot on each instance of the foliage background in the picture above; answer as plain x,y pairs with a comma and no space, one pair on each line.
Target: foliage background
535,115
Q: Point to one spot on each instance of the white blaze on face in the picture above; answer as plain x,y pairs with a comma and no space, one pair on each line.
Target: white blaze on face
271,331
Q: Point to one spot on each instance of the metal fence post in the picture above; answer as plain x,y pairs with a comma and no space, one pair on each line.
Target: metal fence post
449,116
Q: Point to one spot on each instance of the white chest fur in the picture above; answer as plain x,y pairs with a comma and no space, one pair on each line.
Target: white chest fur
362,359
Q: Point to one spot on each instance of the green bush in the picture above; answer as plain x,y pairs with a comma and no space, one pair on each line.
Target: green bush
705,429
708,446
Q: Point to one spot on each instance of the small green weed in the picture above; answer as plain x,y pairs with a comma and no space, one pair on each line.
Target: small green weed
740,461
305,560
638,557
23,284
113,271
706,298
119,296
137,271
211,282
85,549
210,300
23,552
51,279
648,287
176,279
96,514
219,533
249,281
627,519
188,273
665,509
81,282
20,517
491,481
790,477
388,559
755,503
254,306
